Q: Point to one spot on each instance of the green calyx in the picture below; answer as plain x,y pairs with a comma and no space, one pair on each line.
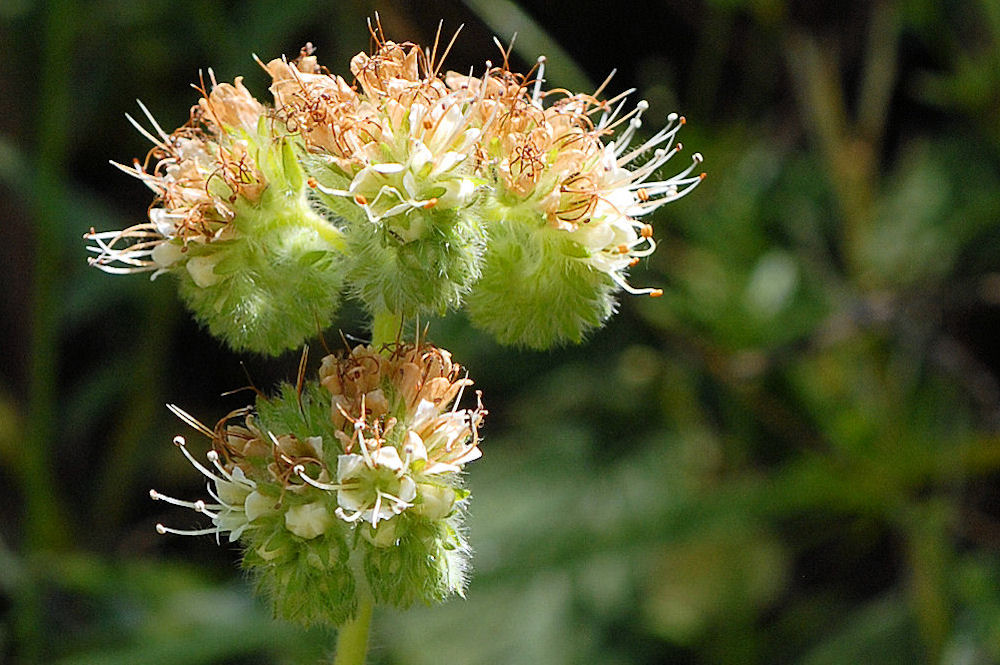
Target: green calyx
419,260
273,277
536,289
429,274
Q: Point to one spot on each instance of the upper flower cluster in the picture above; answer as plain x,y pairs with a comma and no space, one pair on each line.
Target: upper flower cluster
411,188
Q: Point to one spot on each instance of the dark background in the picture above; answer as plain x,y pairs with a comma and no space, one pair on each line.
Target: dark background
791,457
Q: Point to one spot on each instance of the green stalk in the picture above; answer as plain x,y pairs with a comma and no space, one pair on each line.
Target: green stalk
352,638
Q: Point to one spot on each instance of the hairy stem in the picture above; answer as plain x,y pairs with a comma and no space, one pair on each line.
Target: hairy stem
352,638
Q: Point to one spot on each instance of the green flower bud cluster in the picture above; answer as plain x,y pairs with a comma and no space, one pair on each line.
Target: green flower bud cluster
411,190
347,488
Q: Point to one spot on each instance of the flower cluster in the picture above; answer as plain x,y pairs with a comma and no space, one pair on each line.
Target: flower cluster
347,486
411,189
233,221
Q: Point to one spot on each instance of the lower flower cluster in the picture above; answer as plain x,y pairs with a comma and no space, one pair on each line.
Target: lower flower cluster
348,487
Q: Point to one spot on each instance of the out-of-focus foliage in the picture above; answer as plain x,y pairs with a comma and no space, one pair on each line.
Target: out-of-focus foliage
792,457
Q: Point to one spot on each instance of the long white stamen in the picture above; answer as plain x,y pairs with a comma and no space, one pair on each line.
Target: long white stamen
115,270
461,391
623,140
631,115
213,457
142,130
339,512
218,500
300,471
130,256
160,529
608,118
646,208
399,505
201,507
536,93
193,505
152,120
182,444
330,191
665,135
620,281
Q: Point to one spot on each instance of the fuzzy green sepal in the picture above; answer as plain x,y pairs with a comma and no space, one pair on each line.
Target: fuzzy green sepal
274,284
428,275
426,563
308,581
536,289
303,416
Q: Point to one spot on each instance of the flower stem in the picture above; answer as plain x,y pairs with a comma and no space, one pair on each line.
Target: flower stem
352,638
386,328
325,230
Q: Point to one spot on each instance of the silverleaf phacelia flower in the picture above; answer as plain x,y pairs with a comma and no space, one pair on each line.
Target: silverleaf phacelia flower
414,190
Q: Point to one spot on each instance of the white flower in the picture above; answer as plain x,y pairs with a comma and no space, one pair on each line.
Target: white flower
374,486
236,500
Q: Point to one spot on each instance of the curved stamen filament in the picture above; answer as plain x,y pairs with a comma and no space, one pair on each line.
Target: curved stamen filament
192,505
300,471
180,443
160,529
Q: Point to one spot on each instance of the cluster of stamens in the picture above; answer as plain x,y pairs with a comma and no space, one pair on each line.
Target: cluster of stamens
399,442
197,173
543,148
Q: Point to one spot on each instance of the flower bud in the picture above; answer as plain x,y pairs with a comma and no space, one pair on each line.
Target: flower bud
537,289
563,220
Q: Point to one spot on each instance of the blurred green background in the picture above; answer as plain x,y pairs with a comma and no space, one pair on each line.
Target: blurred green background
791,457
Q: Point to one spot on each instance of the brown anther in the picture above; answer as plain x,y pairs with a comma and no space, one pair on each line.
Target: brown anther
682,120
623,249
656,293
647,231
642,194
430,203
427,123
360,200
312,183
634,262
701,176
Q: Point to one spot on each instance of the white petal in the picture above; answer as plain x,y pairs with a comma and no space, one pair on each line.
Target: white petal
256,504
388,457
202,270
308,521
